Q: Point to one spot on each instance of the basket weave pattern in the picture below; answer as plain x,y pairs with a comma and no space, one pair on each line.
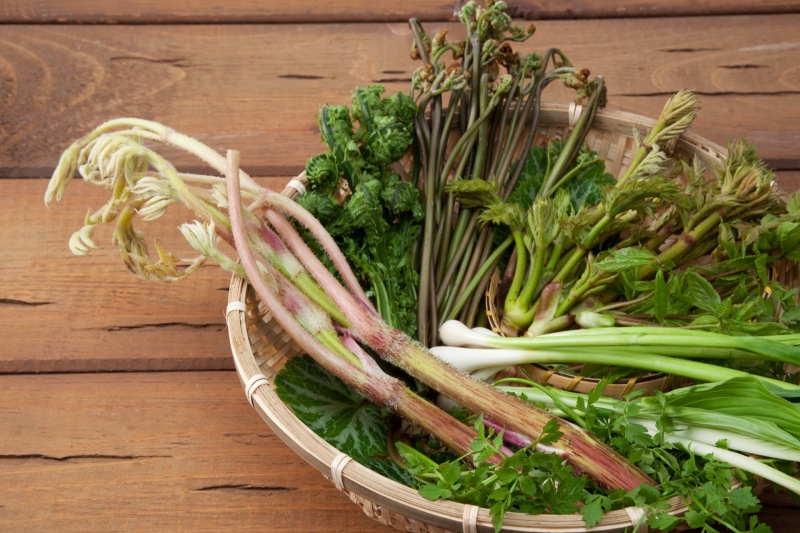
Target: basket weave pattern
261,347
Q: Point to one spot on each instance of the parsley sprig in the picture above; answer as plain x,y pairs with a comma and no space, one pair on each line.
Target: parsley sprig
535,481
531,480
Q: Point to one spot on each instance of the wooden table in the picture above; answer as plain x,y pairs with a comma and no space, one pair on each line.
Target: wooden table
119,409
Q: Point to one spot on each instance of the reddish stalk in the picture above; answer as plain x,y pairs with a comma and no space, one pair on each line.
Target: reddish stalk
282,300
580,447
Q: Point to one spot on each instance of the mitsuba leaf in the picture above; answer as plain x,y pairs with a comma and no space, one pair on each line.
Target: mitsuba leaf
331,409
743,499
429,491
663,522
592,512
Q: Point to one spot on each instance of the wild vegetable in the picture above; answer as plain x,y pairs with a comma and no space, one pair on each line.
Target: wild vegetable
653,433
711,419
494,116
632,347
118,161
357,192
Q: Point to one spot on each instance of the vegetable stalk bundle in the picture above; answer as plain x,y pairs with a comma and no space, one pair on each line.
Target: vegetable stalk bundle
278,264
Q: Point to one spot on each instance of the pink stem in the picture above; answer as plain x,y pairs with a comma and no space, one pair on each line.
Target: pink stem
380,389
584,450
366,360
314,266
515,439
284,204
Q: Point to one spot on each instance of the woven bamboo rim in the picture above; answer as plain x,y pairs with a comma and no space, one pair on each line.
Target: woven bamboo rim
260,349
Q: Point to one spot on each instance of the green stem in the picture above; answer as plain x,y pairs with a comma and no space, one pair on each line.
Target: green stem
602,337
520,271
452,291
532,285
485,268
682,245
570,148
580,252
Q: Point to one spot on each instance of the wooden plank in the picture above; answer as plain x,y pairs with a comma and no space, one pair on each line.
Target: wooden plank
789,181
206,11
173,452
63,313
231,87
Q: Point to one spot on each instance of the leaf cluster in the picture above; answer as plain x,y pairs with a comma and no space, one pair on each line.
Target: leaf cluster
339,415
586,176
702,483
529,481
372,212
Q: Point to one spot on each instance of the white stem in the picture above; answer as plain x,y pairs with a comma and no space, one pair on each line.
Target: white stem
736,441
455,333
469,360
738,460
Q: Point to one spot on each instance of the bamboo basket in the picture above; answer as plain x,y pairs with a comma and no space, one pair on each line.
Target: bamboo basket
261,348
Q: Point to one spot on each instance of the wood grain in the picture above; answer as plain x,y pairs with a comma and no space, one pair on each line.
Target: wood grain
172,452
62,313
789,181
257,88
252,11
178,452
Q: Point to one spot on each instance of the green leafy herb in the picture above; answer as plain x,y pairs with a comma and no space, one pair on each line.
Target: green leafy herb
332,409
584,178
377,223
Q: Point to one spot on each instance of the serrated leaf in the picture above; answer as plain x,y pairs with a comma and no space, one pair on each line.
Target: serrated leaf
760,528
528,486
700,293
498,512
761,268
451,473
695,519
499,493
789,235
743,499
592,512
506,475
429,491
662,522
530,178
649,494
626,259
332,409
637,434
713,497
586,188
